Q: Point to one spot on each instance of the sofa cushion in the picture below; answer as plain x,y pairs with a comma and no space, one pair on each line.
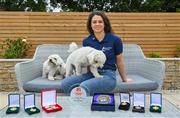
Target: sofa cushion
36,85
139,83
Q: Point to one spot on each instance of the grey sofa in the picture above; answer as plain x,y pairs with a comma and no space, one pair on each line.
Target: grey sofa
147,74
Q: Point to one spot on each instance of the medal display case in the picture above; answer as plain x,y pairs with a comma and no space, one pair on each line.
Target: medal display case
29,104
103,102
13,104
138,102
156,102
49,101
124,101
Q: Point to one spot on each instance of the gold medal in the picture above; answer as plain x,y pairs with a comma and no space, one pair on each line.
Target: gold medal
54,107
32,109
13,109
124,103
137,107
49,107
155,108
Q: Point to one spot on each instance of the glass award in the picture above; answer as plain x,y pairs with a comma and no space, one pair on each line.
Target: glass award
78,94
138,102
124,101
29,104
103,102
49,101
13,103
155,102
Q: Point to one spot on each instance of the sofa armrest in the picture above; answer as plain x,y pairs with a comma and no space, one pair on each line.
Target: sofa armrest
26,71
153,70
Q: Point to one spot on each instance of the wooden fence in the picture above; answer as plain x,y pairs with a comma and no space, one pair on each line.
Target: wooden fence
154,32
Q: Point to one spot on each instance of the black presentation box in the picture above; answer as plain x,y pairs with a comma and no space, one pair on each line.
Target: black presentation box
138,102
124,101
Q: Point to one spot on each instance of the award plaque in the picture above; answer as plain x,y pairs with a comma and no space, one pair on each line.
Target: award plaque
155,102
138,102
124,101
103,102
29,104
78,94
49,101
13,104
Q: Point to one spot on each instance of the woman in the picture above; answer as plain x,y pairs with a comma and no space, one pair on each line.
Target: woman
100,38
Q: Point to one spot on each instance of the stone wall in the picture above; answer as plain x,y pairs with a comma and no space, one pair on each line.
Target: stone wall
8,82
7,76
172,79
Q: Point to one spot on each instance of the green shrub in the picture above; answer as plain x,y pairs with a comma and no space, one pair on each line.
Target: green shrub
15,48
154,55
178,48
177,9
178,51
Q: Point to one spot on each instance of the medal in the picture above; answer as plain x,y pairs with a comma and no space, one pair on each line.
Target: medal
32,109
13,109
155,108
104,99
124,103
137,107
49,107
54,107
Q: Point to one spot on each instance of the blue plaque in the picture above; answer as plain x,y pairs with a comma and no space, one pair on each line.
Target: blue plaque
103,102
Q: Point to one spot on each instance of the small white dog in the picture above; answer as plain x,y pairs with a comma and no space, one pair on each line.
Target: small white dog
72,47
54,67
84,57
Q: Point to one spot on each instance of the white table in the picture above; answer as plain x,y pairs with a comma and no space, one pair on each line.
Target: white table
73,109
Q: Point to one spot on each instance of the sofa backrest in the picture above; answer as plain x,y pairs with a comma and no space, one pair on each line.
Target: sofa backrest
132,54
133,57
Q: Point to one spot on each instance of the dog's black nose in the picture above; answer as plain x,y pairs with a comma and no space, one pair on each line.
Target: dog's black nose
50,60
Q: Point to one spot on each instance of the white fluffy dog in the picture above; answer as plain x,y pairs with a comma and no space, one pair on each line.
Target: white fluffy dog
84,57
72,47
54,67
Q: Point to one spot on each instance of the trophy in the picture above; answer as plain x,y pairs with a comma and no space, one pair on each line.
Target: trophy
49,101
155,102
13,103
29,104
138,102
103,102
124,101
78,94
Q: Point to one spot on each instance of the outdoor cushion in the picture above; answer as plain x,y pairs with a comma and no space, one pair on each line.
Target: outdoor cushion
139,83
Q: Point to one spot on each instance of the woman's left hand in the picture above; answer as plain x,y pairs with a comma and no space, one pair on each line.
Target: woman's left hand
128,80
